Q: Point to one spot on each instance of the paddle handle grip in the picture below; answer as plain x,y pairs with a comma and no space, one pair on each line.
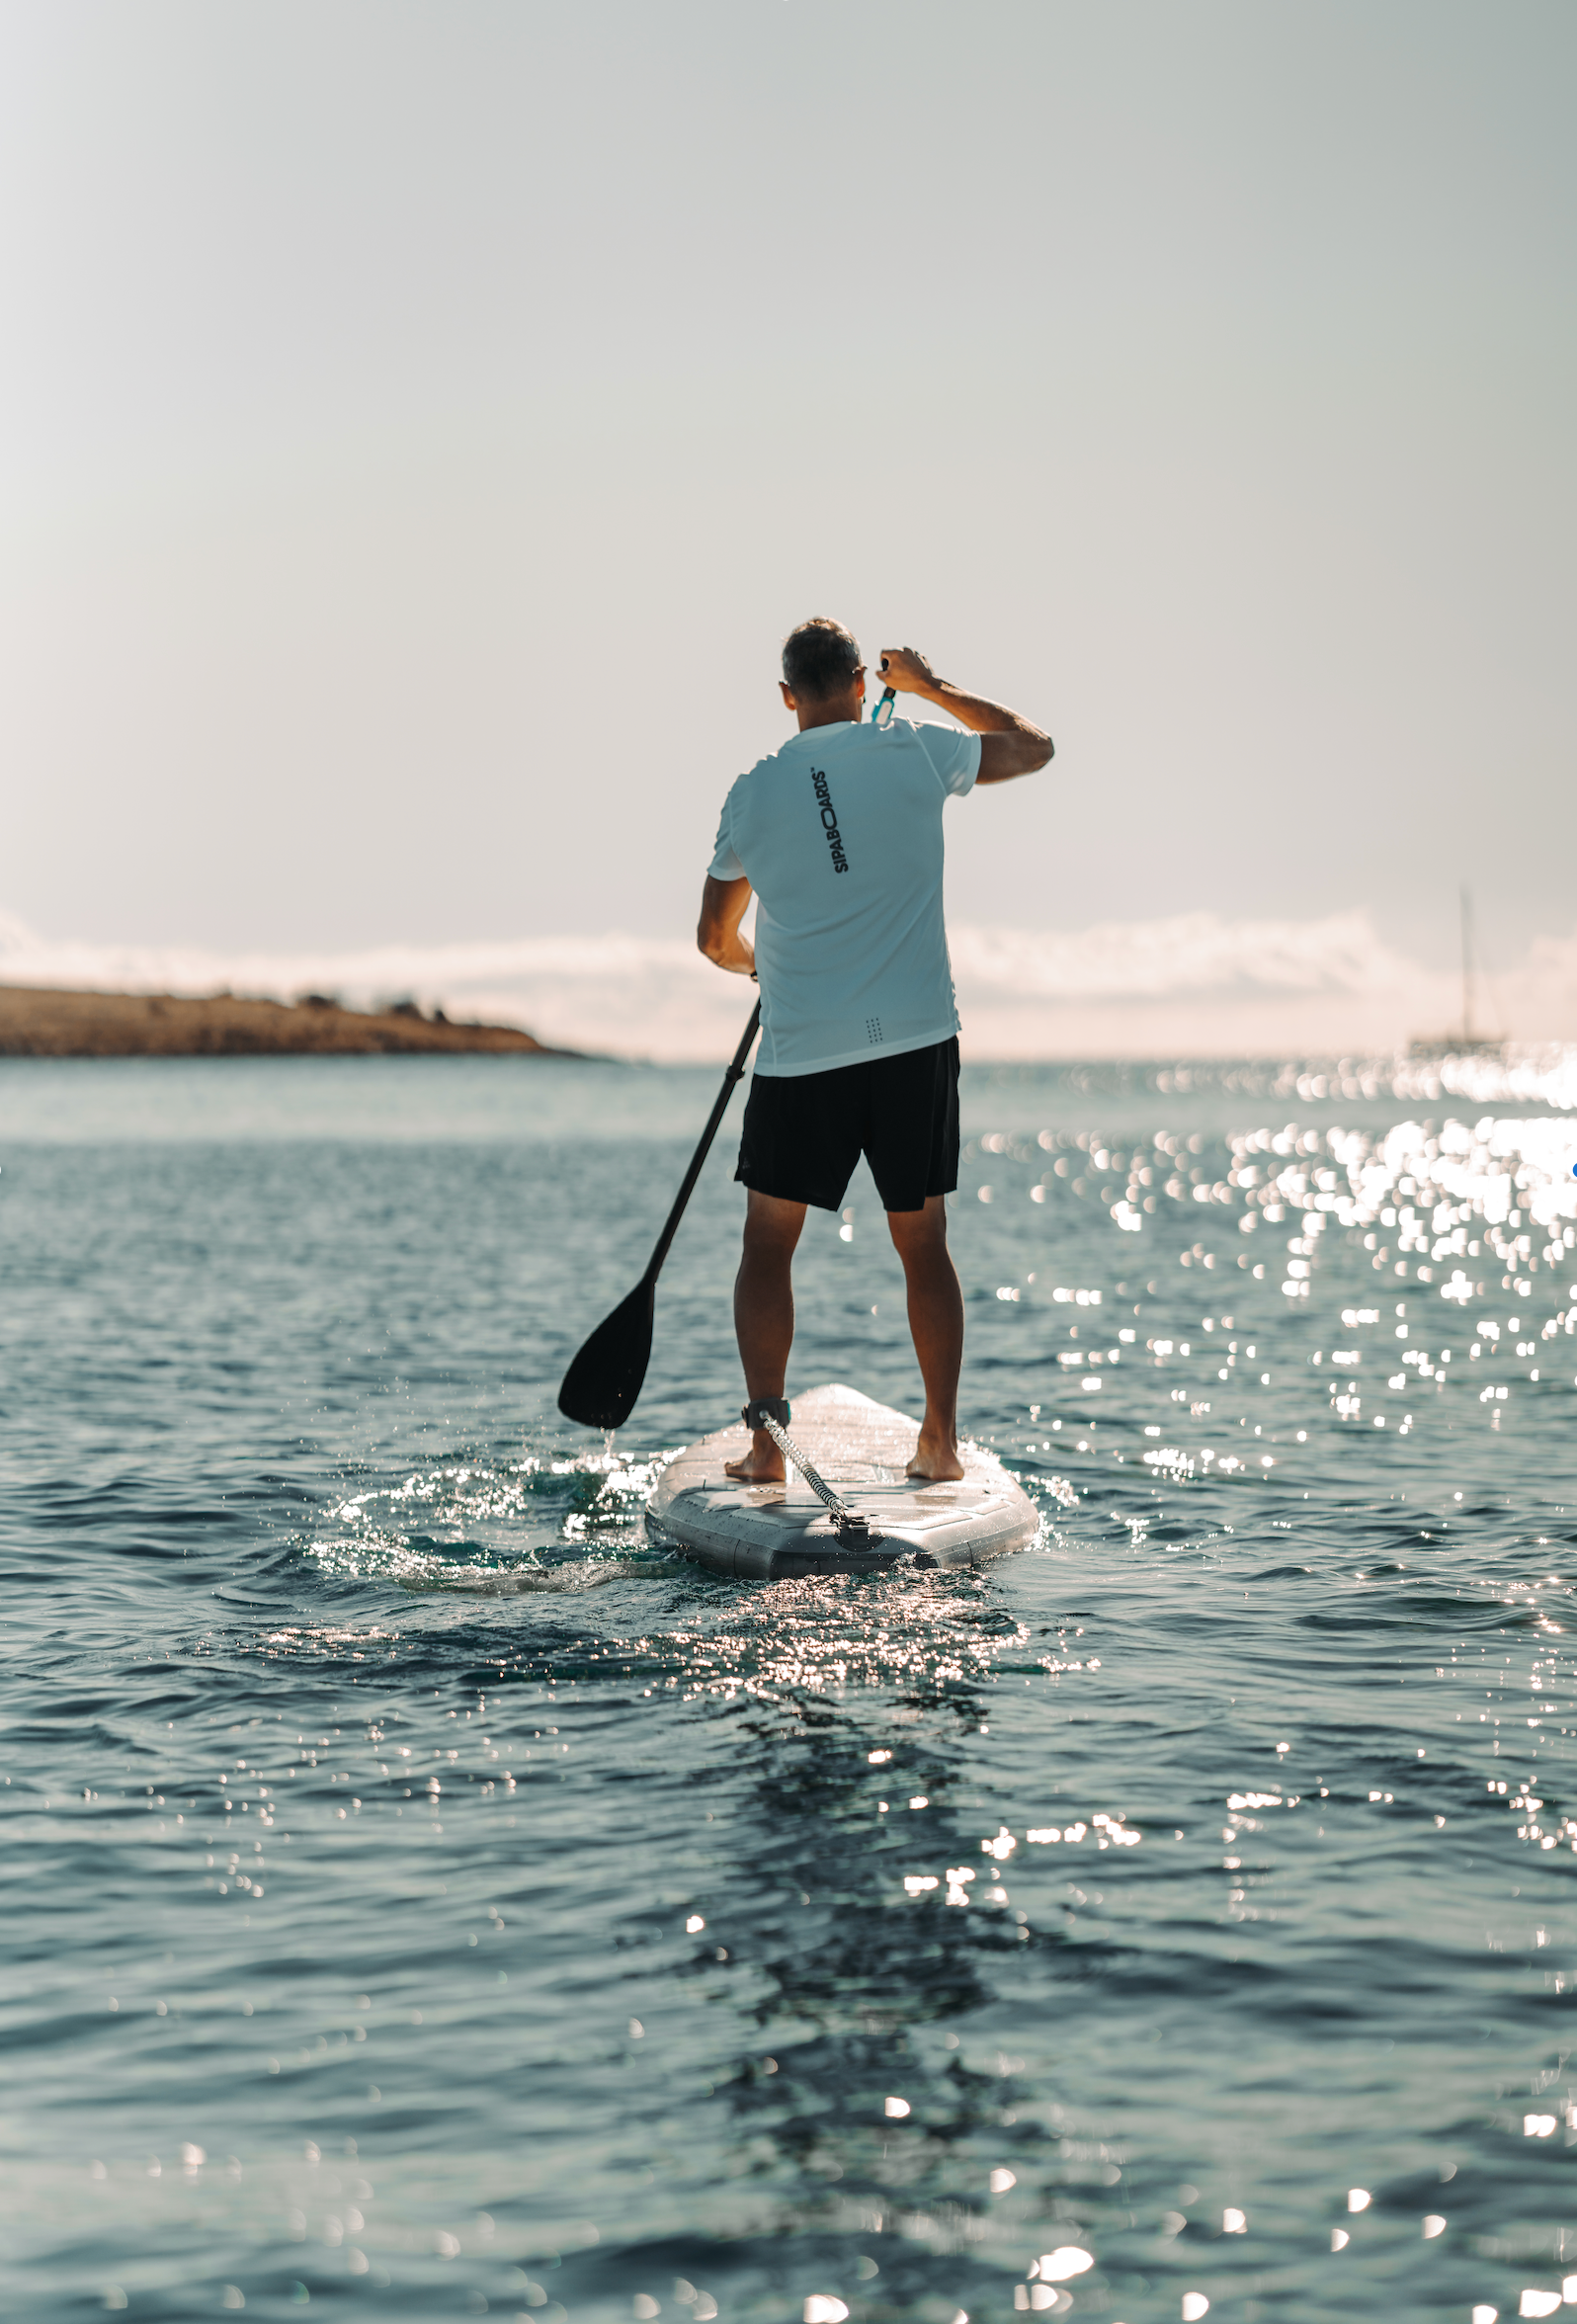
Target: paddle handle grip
735,1073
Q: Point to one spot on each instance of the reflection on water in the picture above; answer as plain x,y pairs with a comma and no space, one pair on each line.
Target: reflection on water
426,1897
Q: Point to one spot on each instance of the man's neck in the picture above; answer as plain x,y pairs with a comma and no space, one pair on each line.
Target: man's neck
843,710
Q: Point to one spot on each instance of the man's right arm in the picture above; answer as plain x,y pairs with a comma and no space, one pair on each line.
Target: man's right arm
1009,745
723,904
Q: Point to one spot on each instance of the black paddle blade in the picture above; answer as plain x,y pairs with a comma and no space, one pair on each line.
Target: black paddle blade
602,1383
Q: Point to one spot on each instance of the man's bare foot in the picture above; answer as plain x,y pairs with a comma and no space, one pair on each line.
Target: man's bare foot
935,1461
761,1465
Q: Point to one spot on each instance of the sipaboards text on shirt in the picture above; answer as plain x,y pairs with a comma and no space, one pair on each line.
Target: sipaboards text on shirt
829,820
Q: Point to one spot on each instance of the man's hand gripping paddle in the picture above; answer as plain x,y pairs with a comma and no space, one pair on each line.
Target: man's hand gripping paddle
601,1385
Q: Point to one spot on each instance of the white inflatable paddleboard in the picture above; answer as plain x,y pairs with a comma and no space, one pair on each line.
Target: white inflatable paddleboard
768,1532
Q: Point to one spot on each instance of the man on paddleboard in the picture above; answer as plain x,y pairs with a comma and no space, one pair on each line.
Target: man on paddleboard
839,836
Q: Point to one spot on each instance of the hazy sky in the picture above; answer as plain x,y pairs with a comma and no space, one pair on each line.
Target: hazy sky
423,418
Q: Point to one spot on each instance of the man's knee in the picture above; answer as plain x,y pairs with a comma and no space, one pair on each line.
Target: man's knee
920,1231
772,1225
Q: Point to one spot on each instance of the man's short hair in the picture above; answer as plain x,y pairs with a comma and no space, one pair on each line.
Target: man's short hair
819,658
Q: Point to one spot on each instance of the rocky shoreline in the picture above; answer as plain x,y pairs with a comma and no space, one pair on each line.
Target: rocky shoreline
39,1023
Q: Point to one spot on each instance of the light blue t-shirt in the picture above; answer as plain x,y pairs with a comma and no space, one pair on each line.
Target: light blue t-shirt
840,835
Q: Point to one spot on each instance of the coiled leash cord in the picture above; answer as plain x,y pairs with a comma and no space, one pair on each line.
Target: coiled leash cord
854,1527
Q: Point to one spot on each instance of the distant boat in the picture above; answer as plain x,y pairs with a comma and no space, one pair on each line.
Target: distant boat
1465,1043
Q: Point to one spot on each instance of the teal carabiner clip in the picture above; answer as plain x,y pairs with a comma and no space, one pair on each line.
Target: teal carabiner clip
881,715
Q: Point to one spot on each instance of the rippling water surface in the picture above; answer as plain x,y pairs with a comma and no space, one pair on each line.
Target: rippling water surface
424,1898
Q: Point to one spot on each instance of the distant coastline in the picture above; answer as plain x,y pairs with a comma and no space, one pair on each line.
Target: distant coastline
36,1022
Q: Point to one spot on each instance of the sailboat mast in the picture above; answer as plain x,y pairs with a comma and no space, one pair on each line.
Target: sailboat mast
1467,968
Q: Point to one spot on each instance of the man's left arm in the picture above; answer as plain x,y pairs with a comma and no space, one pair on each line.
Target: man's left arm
723,904
1008,744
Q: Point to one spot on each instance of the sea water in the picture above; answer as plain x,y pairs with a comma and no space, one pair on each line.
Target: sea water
424,1897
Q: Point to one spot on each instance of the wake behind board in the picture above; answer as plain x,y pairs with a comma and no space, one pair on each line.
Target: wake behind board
770,1533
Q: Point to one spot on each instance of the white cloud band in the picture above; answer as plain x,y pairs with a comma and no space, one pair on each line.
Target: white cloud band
1195,985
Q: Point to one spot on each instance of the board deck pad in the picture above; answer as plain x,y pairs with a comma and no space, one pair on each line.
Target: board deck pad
768,1532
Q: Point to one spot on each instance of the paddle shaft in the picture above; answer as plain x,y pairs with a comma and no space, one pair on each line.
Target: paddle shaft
735,1073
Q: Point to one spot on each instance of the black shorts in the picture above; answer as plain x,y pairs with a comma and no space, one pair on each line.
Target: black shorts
804,1133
